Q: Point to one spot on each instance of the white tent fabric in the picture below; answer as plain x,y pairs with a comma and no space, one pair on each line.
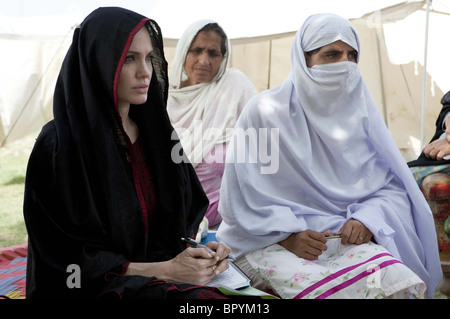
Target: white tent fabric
392,41
30,60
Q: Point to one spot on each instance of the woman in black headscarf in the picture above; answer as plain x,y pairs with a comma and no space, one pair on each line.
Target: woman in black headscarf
435,156
103,196
436,152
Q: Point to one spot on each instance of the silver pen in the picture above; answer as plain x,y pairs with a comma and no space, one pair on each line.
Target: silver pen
333,236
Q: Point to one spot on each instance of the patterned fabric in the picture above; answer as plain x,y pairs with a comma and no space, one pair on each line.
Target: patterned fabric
343,271
420,172
13,261
121,288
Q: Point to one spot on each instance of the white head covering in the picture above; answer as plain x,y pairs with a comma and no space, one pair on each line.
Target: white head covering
336,161
331,106
204,114
176,72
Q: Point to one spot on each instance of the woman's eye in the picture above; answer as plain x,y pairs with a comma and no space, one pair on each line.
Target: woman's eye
196,50
129,58
214,53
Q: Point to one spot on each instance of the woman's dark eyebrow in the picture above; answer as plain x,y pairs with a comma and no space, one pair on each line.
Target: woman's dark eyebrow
199,47
214,51
334,51
136,52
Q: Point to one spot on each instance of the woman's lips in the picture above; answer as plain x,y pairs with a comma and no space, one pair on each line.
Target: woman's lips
141,88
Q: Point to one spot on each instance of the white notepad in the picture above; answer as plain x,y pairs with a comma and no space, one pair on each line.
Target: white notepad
233,278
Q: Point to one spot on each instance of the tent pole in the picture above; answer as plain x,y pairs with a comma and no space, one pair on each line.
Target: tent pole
424,82
270,64
383,95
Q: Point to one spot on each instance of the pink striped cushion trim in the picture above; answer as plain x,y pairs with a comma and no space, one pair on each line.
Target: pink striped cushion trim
355,279
337,274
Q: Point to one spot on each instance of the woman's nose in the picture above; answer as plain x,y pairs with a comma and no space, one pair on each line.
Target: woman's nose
345,57
204,58
145,69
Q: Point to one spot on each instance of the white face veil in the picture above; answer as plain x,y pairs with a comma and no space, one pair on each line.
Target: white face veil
336,161
329,104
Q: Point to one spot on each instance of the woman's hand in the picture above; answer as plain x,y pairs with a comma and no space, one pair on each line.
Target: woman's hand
193,265
221,251
438,148
354,232
447,129
308,244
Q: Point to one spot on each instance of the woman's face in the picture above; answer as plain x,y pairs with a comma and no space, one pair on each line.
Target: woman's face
136,71
203,58
335,52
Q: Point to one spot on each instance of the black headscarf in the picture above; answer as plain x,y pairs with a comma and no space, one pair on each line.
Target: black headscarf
422,160
80,203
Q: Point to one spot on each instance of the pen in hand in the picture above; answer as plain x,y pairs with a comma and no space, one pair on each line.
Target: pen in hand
194,244
333,236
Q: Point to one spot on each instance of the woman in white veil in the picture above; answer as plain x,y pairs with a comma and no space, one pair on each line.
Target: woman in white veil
340,173
205,100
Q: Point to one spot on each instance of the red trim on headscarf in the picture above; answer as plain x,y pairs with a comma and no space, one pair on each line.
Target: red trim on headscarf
124,54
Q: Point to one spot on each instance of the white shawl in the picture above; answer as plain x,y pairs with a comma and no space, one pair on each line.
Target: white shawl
204,114
337,161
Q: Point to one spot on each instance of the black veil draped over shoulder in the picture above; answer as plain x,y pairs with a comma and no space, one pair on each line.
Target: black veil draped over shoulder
80,205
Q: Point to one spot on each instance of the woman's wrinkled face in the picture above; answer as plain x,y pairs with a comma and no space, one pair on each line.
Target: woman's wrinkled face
136,71
203,58
334,52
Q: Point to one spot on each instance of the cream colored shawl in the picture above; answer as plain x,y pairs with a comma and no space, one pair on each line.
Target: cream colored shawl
204,115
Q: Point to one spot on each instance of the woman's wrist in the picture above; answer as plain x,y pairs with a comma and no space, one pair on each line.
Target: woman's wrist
155,269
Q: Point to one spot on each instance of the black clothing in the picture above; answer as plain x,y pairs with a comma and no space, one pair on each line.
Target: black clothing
80,204
422,160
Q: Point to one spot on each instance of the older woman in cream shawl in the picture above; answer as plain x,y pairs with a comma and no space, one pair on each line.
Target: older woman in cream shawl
204,114
338,166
